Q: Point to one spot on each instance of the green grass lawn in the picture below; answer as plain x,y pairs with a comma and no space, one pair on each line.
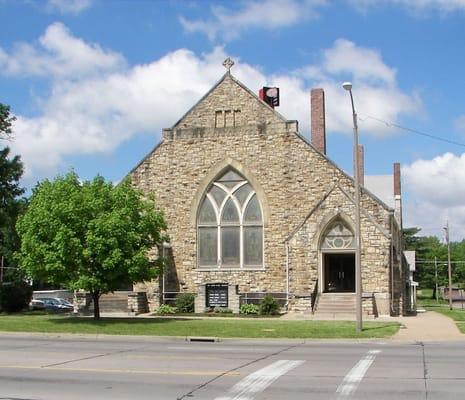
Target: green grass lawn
425,298
195,327
456,314
461,326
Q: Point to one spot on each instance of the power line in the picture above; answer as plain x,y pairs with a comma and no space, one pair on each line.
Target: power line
439,262
411,130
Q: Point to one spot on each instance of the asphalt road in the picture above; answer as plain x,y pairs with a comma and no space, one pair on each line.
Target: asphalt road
52,368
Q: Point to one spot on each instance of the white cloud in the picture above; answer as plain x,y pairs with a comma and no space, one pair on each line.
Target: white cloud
95,115
416,6
265,14
436,190
68,6
362,63
374,87
59,54
96,101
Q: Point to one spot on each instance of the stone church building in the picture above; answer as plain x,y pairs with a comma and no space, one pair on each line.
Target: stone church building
253,208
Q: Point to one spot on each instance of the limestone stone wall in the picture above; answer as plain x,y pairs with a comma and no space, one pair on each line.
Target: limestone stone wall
153,289
293,178
137,303
304,246
230,104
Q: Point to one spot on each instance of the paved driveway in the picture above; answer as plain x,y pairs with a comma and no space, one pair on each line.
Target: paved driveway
52,368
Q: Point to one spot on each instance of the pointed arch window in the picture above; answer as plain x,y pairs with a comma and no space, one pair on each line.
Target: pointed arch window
338,237
230,225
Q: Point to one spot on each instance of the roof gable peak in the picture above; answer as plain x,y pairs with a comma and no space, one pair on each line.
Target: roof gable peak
228,103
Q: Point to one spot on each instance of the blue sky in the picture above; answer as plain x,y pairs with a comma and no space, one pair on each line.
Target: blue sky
92,83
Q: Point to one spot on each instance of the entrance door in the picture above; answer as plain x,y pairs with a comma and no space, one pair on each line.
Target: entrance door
339,272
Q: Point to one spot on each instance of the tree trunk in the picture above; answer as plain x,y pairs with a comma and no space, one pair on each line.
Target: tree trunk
95,299
434,296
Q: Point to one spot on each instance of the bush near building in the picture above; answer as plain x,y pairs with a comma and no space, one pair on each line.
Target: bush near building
185,302
15,296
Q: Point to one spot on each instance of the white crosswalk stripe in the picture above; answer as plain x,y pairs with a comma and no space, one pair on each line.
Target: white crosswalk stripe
351,381
258,381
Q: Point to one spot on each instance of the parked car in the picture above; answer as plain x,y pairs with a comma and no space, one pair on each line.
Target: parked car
36,304
57,304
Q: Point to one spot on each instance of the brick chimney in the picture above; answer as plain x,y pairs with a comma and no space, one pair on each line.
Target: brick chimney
361,165
397,194
318,127
397,187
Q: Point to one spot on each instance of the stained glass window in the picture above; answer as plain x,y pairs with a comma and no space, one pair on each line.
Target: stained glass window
207,213
338,236
208,247
230,225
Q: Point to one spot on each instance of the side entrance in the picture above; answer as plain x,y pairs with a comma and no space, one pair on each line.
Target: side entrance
338,272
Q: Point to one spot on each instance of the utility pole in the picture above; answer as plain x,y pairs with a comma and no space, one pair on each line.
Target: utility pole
1,271
436,294
358,268
449,268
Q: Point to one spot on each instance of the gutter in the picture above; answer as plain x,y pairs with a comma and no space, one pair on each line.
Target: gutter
287,276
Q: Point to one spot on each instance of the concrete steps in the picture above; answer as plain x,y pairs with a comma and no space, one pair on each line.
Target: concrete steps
114,302
335,305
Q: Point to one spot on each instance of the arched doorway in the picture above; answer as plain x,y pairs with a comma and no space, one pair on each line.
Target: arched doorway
338,259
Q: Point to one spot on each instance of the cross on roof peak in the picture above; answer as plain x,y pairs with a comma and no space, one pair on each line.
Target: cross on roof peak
228,63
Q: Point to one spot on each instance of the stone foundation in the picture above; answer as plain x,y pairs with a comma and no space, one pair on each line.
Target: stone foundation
82,303
137,303
369,305
300,304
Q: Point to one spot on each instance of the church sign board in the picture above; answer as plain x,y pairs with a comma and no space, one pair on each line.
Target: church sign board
216,295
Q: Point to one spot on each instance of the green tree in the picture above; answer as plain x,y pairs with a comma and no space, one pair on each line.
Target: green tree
430,248
89,235
11,205
6,121
457,250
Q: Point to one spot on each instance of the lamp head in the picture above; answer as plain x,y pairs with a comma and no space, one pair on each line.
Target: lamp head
347,86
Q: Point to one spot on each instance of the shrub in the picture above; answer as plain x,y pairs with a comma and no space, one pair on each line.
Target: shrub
269,306
222,310
185,302
166,309
15,296
249,309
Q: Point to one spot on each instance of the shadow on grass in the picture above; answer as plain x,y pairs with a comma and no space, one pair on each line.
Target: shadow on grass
31,313
114,321
380,327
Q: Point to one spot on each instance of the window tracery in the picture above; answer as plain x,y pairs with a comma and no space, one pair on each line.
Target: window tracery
230,225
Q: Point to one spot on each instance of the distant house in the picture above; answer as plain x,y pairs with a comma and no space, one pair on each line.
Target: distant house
412,285
253,208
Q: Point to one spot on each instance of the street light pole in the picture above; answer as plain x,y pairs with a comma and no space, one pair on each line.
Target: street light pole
358,269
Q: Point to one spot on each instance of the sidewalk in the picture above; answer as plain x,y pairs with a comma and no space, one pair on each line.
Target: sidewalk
427,327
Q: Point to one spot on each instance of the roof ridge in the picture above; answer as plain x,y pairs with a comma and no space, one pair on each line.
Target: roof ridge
240,84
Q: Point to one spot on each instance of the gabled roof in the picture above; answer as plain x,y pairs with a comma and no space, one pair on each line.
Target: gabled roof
362,188
228,75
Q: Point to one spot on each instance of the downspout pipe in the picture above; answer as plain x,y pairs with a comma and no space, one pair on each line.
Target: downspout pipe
391,306
287,275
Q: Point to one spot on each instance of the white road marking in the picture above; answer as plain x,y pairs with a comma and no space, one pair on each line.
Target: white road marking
353,378
258,381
